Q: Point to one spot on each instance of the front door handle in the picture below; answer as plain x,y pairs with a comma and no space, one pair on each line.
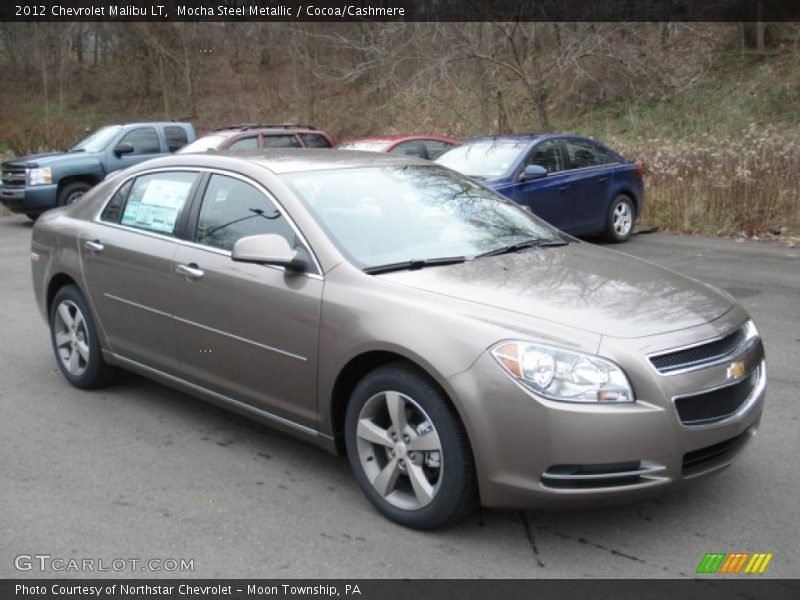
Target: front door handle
191,270
561,188
93,245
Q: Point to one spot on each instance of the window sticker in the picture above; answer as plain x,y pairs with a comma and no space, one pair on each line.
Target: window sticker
159,206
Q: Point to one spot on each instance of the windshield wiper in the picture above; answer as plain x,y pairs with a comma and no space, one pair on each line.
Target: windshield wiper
411,265
538,243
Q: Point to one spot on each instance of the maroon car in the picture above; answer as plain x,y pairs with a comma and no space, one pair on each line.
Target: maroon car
251,136
423,146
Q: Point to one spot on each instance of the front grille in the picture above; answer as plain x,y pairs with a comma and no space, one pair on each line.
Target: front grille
607,475
709,407
13,177
696,459
702,354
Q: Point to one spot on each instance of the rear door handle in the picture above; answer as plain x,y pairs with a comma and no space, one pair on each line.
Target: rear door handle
561,188
603,178
191,270
93,245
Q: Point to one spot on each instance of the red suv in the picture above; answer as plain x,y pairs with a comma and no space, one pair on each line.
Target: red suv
250,136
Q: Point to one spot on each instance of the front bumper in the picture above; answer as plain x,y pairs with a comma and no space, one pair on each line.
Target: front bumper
531,452
31,199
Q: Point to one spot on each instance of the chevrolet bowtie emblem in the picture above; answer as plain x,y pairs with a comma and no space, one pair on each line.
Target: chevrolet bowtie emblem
735,370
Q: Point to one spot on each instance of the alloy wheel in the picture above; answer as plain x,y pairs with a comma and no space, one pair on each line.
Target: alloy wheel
71,338
623,219
399,450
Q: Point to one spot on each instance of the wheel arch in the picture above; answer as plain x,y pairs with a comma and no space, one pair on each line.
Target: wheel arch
88,179
624,191
360,366
58,281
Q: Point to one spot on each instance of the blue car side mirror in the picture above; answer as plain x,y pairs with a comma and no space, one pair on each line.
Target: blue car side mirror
532,172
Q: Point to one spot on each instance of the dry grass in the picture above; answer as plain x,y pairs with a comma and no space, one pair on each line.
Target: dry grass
722,185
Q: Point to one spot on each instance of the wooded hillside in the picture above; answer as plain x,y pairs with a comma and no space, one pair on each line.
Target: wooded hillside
713,110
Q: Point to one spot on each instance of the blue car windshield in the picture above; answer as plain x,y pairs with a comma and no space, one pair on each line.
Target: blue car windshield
392,214
97,140
487,159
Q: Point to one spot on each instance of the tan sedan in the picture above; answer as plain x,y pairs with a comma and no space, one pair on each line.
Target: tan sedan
457,348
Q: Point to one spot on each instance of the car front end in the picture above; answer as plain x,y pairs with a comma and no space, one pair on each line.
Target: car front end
654,412
27,187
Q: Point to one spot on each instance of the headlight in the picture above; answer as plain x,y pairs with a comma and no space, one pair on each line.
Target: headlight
40,176
565,375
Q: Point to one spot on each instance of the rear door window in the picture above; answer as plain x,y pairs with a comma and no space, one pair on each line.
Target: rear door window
176,138
156,202
584,153
281,141
248,143
315,140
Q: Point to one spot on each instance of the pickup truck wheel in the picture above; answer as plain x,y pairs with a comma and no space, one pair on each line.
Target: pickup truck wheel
72,192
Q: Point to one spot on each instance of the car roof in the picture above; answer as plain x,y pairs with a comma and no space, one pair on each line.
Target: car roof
287,128
522,137
148,123
288,160
399,138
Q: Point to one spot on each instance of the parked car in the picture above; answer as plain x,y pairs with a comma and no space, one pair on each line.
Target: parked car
253,135
421,146
572,182
456,347
36,183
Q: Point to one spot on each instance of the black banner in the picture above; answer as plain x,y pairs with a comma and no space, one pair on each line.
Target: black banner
402,10
371,589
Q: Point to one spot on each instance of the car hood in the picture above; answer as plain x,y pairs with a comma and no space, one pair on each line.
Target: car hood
45,159
580,285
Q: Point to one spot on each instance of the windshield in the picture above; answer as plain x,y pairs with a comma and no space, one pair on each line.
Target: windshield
488,159
207,142
97,140
369,146
385,215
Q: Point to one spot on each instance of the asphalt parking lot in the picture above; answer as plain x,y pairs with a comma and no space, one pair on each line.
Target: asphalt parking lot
141,471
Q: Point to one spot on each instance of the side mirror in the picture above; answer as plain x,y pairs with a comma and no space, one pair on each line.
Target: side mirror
532,172
121,149
268,249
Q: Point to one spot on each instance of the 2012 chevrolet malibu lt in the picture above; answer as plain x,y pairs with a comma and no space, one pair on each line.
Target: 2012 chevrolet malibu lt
457,348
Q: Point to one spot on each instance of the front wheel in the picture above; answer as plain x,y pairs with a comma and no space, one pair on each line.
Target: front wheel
72,192
621,216
75,342
408,449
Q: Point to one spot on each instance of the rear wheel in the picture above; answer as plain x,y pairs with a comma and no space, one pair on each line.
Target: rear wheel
621,216
408,449
75,342
72,192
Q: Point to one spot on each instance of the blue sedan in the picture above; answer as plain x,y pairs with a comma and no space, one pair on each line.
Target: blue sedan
570,181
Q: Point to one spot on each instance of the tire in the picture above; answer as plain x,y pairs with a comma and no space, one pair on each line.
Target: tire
620,220
424,478
33,216
74,338
72,192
